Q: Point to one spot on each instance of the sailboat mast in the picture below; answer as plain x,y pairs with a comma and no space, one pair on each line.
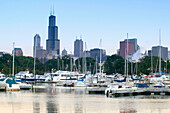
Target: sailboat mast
100,56
71,64
136,68
159,51
13,59
131,67
58,63
35,47
125,62
78,65
127,54
96,64
62,64
151,63
85,66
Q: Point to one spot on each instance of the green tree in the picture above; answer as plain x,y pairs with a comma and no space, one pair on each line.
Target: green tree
145,65
59,63
90,64
114,64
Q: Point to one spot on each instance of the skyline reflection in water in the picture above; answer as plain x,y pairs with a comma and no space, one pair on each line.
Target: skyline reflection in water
54,99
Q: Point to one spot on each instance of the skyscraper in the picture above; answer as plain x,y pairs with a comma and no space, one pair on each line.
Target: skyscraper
18,52
134,40
123,48
78,48
95,53
168,55
40,52
64,52
156,52
149,52
53,43
132,47
37,43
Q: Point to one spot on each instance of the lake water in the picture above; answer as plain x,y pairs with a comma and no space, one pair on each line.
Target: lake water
54,99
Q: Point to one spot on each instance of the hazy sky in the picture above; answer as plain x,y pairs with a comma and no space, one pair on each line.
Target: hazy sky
108,20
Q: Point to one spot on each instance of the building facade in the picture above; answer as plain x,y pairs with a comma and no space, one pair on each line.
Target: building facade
168,55
95,53
86,53
18,52
53,43
78,48
149,52
156,52
37,44
123,48
38,50
134,40
64,52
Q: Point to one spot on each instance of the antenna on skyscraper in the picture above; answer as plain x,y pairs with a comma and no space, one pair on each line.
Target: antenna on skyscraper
76,37
80,36
53,9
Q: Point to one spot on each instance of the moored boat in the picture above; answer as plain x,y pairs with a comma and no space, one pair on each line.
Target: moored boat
11,84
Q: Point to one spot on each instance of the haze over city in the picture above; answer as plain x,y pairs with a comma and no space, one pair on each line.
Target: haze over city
108,20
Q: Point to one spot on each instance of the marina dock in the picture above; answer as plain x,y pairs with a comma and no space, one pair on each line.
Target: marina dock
147,91
97,91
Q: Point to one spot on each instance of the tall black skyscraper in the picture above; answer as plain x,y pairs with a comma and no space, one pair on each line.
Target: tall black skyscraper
53,43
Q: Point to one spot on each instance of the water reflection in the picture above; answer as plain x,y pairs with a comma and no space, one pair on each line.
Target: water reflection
78,105
36,107
128,111
75,100
52,106
128,105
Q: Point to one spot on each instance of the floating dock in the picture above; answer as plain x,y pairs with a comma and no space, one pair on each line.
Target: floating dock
140,91
97,91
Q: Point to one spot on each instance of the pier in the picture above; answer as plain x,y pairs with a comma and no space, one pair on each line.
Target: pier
97,91
146,91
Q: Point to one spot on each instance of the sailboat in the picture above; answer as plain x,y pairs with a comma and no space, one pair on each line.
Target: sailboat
11,84
159,84
126,64
124,80
135,58
119,88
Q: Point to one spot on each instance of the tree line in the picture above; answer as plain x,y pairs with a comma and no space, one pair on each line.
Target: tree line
65,63
116,64
113,64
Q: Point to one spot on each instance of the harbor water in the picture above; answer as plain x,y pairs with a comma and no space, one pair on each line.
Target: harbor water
54,99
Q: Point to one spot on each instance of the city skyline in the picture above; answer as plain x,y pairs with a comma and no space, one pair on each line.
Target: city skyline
109,20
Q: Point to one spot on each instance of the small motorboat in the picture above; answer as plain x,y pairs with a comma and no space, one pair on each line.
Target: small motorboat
11,84
159,85
25,86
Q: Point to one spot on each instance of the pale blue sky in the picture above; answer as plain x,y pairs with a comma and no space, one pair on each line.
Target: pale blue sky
110,20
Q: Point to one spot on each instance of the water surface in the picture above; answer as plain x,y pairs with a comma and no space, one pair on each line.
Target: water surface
52,99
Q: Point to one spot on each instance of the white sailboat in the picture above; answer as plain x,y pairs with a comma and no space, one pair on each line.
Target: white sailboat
120,88
17,84
159,84
11,84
